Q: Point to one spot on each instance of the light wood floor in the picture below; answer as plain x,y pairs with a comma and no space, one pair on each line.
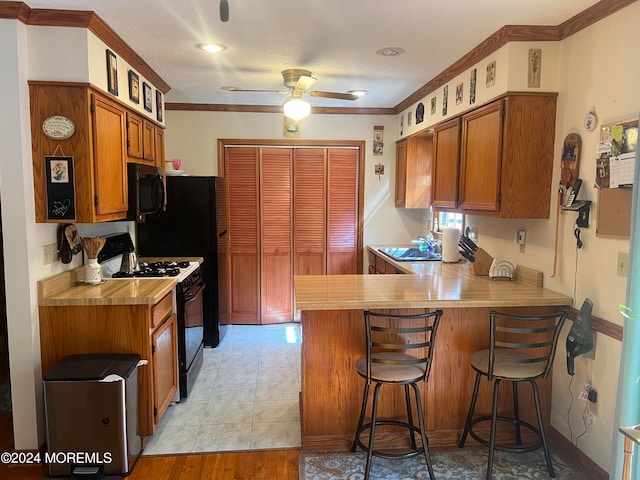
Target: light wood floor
255,465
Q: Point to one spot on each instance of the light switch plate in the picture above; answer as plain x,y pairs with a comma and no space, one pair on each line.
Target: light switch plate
623,264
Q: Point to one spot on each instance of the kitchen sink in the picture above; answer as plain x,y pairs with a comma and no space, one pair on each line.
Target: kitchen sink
410,254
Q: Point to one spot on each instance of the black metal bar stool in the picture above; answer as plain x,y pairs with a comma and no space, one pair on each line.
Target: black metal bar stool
522,350
399,352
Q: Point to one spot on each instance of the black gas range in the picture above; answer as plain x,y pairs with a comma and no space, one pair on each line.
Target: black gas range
155,269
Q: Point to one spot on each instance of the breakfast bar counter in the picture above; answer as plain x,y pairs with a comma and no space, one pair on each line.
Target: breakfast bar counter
333,331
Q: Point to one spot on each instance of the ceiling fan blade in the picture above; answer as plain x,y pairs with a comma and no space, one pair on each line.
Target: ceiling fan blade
305,82
339,96
238,89
224,11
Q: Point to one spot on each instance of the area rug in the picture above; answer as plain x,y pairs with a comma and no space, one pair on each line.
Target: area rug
462,464
5,397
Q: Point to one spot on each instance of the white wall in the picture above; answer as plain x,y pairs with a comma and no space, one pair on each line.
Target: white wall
599,68
192,137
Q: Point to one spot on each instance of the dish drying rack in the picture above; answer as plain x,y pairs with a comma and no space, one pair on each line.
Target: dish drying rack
502,270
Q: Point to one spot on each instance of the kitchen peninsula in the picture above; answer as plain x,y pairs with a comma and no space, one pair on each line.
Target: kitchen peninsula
333,330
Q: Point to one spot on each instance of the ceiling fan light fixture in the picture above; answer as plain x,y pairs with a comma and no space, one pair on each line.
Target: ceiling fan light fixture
212,47
296,108
358,93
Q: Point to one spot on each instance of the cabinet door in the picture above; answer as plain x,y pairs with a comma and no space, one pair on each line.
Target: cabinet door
480,158
446,138
309,211
134,136
159,146
401,173
342,211
241,173
165,366
276,269
149,141
110,159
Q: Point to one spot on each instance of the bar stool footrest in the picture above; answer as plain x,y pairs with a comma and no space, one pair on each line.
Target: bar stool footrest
388,454
506,448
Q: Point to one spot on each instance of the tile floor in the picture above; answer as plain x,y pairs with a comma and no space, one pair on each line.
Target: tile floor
245,396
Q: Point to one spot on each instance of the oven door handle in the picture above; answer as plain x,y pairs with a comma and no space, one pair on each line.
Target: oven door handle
193,292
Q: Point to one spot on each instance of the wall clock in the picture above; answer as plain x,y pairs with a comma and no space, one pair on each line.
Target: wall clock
58,127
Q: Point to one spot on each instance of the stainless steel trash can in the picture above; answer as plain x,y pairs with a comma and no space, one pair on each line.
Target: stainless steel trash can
91,409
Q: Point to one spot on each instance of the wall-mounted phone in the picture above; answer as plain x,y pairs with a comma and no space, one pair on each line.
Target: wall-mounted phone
572,193
581,336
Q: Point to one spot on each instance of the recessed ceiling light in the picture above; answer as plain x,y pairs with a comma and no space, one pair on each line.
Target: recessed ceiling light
390,51
357,93
212,47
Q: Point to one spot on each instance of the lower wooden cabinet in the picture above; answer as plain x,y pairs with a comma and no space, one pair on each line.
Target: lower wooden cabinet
147,330
380,266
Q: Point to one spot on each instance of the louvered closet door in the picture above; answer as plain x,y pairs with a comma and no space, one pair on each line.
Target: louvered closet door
309,211
342,208
241,173
276,225
222,250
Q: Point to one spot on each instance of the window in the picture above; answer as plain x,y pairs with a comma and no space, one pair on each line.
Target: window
443,219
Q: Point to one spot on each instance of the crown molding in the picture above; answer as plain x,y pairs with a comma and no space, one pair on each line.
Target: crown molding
218,107
83,19
509,33
516,33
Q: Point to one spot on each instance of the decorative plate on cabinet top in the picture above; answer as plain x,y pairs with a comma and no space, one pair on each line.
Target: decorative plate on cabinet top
58,127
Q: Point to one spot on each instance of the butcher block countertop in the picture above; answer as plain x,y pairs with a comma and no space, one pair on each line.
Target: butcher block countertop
67,289
438,285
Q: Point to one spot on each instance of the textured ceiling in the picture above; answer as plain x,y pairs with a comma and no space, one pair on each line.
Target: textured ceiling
335,39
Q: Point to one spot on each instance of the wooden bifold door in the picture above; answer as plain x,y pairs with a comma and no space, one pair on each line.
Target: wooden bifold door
287,211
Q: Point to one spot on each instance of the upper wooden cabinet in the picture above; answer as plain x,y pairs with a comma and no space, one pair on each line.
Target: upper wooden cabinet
413,171
141,139
505,158
446,155
95,155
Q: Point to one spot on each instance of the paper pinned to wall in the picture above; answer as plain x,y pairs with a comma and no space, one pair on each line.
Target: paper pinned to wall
621,170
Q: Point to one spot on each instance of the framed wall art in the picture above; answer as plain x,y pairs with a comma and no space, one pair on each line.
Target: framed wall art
490,80
112,73
159,109
61,197
472,86
459,90
134,87
445,95
147,95
535,65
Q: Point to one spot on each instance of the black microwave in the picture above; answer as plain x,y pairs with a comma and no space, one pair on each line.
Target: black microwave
146,191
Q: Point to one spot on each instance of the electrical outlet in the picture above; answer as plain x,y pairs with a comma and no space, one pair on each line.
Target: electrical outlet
50,254
623,264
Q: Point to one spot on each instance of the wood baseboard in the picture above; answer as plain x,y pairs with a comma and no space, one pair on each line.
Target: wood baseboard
579,460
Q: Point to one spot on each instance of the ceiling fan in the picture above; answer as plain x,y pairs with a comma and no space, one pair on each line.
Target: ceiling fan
298,82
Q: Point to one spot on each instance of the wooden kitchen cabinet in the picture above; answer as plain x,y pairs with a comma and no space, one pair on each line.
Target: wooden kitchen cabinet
413,171
505,158
446,148
146,330
141,139
380,266
97,148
